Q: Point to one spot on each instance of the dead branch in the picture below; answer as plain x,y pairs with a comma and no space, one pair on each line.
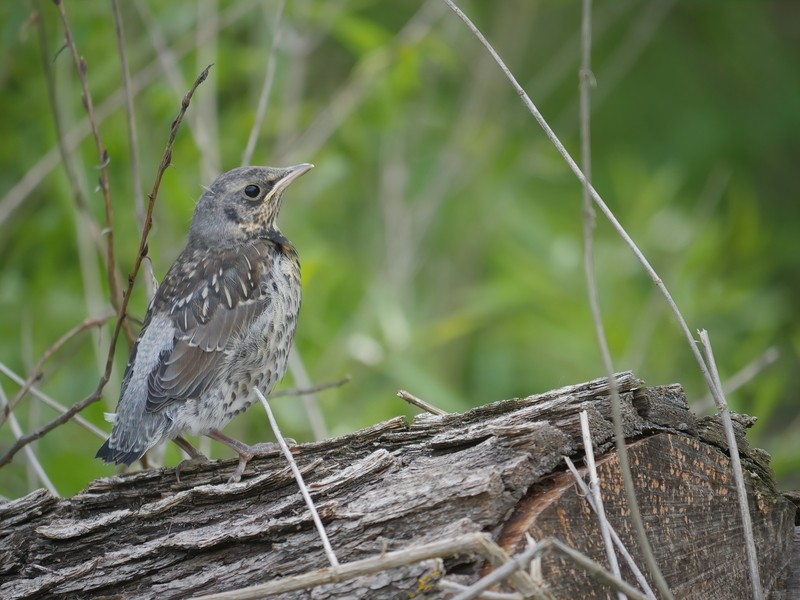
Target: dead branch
387,495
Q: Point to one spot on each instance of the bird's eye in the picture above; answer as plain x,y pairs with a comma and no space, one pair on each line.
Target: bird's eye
252,191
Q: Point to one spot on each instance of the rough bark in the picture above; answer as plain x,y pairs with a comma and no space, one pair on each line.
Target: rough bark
497,469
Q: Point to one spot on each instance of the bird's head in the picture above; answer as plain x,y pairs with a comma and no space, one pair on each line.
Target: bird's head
241,204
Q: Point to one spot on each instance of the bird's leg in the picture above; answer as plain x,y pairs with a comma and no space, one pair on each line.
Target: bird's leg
195,456
245,451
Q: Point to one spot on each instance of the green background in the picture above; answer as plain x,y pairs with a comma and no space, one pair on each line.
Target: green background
440,233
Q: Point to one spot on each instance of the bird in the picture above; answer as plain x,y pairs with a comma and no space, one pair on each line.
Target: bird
220,324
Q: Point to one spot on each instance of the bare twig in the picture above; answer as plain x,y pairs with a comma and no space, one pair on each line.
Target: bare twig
595,570
309,400
594,488
598,200
311,390
518,563
54,404
37,466
736,466
457,587
17,194
420,403
36,372
472,543
85,220
133,136
742,377
66,156
352,93
521,561
326,544
98,392
520,578
629,48
637,572
80,66
586,83
636,517
266,88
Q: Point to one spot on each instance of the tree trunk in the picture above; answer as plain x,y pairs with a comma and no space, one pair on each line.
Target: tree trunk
498,469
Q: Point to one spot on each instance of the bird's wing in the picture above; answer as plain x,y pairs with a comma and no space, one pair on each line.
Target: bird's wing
212,297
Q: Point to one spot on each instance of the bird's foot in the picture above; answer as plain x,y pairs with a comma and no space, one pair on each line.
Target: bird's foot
198,459
195,456
247,453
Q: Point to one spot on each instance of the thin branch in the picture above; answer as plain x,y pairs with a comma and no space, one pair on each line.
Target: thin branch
598,200
471,543
17,194
629,48
742,377
521,561
80,66
168,62
647,552
34,461
133,136
54,404
87,219
452,586
36,372
298,370
311,390
352,93
420,403
263,99
509,567
142,252
595,570
326,543
594,488
586,83
736,466
637,572
95,298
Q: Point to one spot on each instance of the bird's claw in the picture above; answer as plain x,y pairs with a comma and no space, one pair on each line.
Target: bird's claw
245,456
189,462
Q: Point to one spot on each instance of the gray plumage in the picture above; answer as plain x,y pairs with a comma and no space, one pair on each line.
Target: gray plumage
220,324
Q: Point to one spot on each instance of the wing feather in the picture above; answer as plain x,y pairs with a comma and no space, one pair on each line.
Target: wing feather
212,298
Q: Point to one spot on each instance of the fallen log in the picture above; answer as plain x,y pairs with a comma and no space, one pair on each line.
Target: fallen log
416,509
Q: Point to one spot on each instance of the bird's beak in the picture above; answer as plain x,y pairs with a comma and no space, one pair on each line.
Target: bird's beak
290,174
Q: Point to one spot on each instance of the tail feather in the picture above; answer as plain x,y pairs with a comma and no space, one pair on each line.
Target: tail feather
117,455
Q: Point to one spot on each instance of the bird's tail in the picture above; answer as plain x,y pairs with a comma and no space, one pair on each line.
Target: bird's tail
118,456
131,439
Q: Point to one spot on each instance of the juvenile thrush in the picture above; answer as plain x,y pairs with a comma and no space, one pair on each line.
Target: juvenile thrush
220,324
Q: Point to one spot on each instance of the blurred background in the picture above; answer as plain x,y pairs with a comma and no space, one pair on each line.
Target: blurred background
440,233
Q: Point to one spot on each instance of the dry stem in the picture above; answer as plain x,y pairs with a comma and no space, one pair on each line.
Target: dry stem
420,403
142,252
594,488
736,466
326,543
311,390
80,66
637,572
36,372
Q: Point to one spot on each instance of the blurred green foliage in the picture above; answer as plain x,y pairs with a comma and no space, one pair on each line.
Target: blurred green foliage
440,233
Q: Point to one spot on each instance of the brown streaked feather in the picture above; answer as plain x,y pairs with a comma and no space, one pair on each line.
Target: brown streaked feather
212,297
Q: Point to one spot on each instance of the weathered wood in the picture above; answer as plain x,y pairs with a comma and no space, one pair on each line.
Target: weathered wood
497,469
